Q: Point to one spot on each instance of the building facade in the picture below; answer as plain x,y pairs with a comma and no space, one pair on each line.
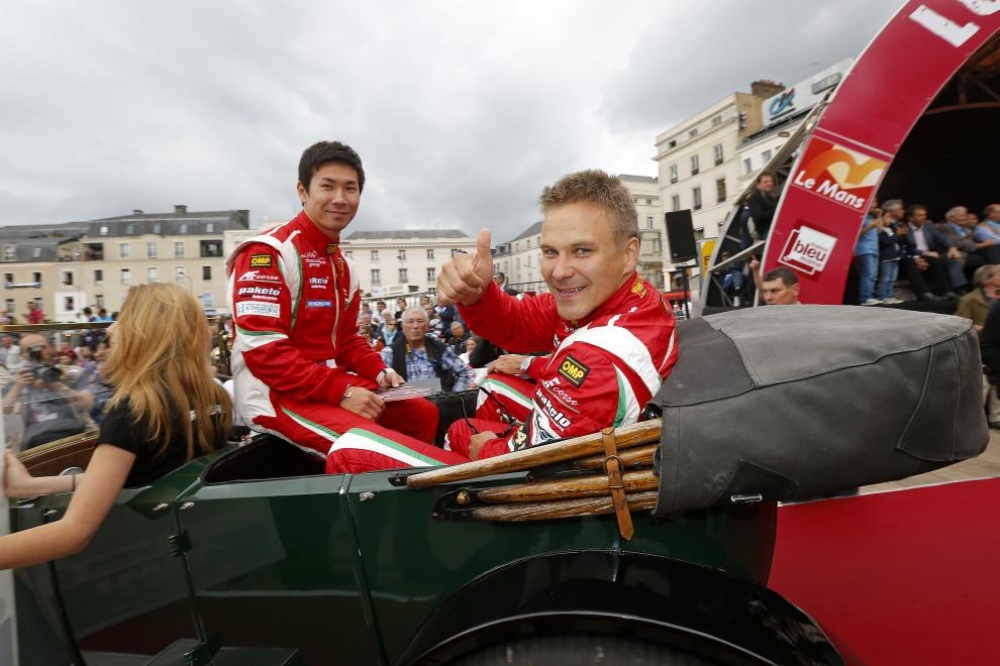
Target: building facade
698,160
64,268
392,264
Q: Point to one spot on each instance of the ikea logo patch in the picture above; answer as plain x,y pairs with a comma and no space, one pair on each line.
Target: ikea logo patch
260,261
574,371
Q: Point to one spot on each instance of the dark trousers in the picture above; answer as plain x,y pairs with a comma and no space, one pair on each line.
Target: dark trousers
933,280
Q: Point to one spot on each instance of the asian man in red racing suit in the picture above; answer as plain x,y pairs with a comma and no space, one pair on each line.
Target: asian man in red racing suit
610,336
300,370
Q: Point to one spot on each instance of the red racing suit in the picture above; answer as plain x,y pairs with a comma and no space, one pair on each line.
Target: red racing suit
599,372
295,299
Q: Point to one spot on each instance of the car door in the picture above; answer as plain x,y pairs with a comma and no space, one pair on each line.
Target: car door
272,563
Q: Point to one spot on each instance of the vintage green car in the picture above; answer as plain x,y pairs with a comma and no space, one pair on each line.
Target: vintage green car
252,555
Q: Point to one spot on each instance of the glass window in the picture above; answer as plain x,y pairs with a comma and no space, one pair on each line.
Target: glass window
67,277
747,165
675,202
209,228
717,150
98,277
431,275
178,249
766,156
720,190
124,250
402,255
696,195
126,276
694,165
403,277
103,230
211,248
673,173
152,274
157,228
374,256
649,221
376,275
430,254
206,273
151,250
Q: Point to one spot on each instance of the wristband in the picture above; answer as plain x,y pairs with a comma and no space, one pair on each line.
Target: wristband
526,363
347,393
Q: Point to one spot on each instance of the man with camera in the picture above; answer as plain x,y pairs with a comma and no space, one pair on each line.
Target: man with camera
52,404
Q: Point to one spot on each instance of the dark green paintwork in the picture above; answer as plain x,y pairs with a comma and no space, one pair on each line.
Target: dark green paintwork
280,563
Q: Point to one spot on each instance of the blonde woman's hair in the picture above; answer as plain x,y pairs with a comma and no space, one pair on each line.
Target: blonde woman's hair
159,363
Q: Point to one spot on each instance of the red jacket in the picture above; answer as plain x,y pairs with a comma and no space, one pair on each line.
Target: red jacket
295,300
601,371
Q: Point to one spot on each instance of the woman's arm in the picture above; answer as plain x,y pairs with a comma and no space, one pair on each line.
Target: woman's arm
95,493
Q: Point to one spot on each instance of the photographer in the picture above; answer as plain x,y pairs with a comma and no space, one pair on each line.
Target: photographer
52,404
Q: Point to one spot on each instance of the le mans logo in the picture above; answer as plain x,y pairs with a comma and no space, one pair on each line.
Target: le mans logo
807,250
839,174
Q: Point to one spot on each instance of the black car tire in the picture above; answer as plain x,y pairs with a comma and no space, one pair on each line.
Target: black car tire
582,650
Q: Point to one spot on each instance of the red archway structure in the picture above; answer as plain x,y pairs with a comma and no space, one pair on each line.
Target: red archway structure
914,119
931,49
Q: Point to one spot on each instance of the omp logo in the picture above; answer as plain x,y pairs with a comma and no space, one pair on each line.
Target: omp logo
839,174
573,371
260,261
807,250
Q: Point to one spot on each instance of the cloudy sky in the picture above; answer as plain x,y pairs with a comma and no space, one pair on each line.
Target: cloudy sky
461,110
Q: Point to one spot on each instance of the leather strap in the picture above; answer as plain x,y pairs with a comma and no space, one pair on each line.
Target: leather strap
613,468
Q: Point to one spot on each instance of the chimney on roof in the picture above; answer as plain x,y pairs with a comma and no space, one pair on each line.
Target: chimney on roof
180,209
136,211
765,88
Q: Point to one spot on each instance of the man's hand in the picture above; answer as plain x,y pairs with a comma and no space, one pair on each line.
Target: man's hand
509,364
464,279
931,253
363,403
477,441
921,263
389,379
954,253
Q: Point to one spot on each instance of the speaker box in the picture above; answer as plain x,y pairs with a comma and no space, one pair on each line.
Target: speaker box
680,236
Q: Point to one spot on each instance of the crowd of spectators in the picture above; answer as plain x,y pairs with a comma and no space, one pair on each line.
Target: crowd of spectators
52,388
453,350
902,254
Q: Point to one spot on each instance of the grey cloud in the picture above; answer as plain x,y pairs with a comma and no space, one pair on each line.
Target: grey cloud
462,111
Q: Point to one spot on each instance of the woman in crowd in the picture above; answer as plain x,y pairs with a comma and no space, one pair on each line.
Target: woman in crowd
165,410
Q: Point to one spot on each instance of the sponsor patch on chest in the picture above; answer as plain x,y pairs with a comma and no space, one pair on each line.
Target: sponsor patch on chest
258,309
319,304
574,371
261,260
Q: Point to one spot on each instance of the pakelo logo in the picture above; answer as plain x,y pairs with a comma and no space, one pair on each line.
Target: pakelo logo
318,282
266,292
807,250
257,276
839,174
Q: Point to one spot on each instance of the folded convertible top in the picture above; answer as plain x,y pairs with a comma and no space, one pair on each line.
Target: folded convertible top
793,401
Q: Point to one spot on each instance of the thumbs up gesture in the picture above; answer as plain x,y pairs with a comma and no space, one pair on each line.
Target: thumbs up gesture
466,277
